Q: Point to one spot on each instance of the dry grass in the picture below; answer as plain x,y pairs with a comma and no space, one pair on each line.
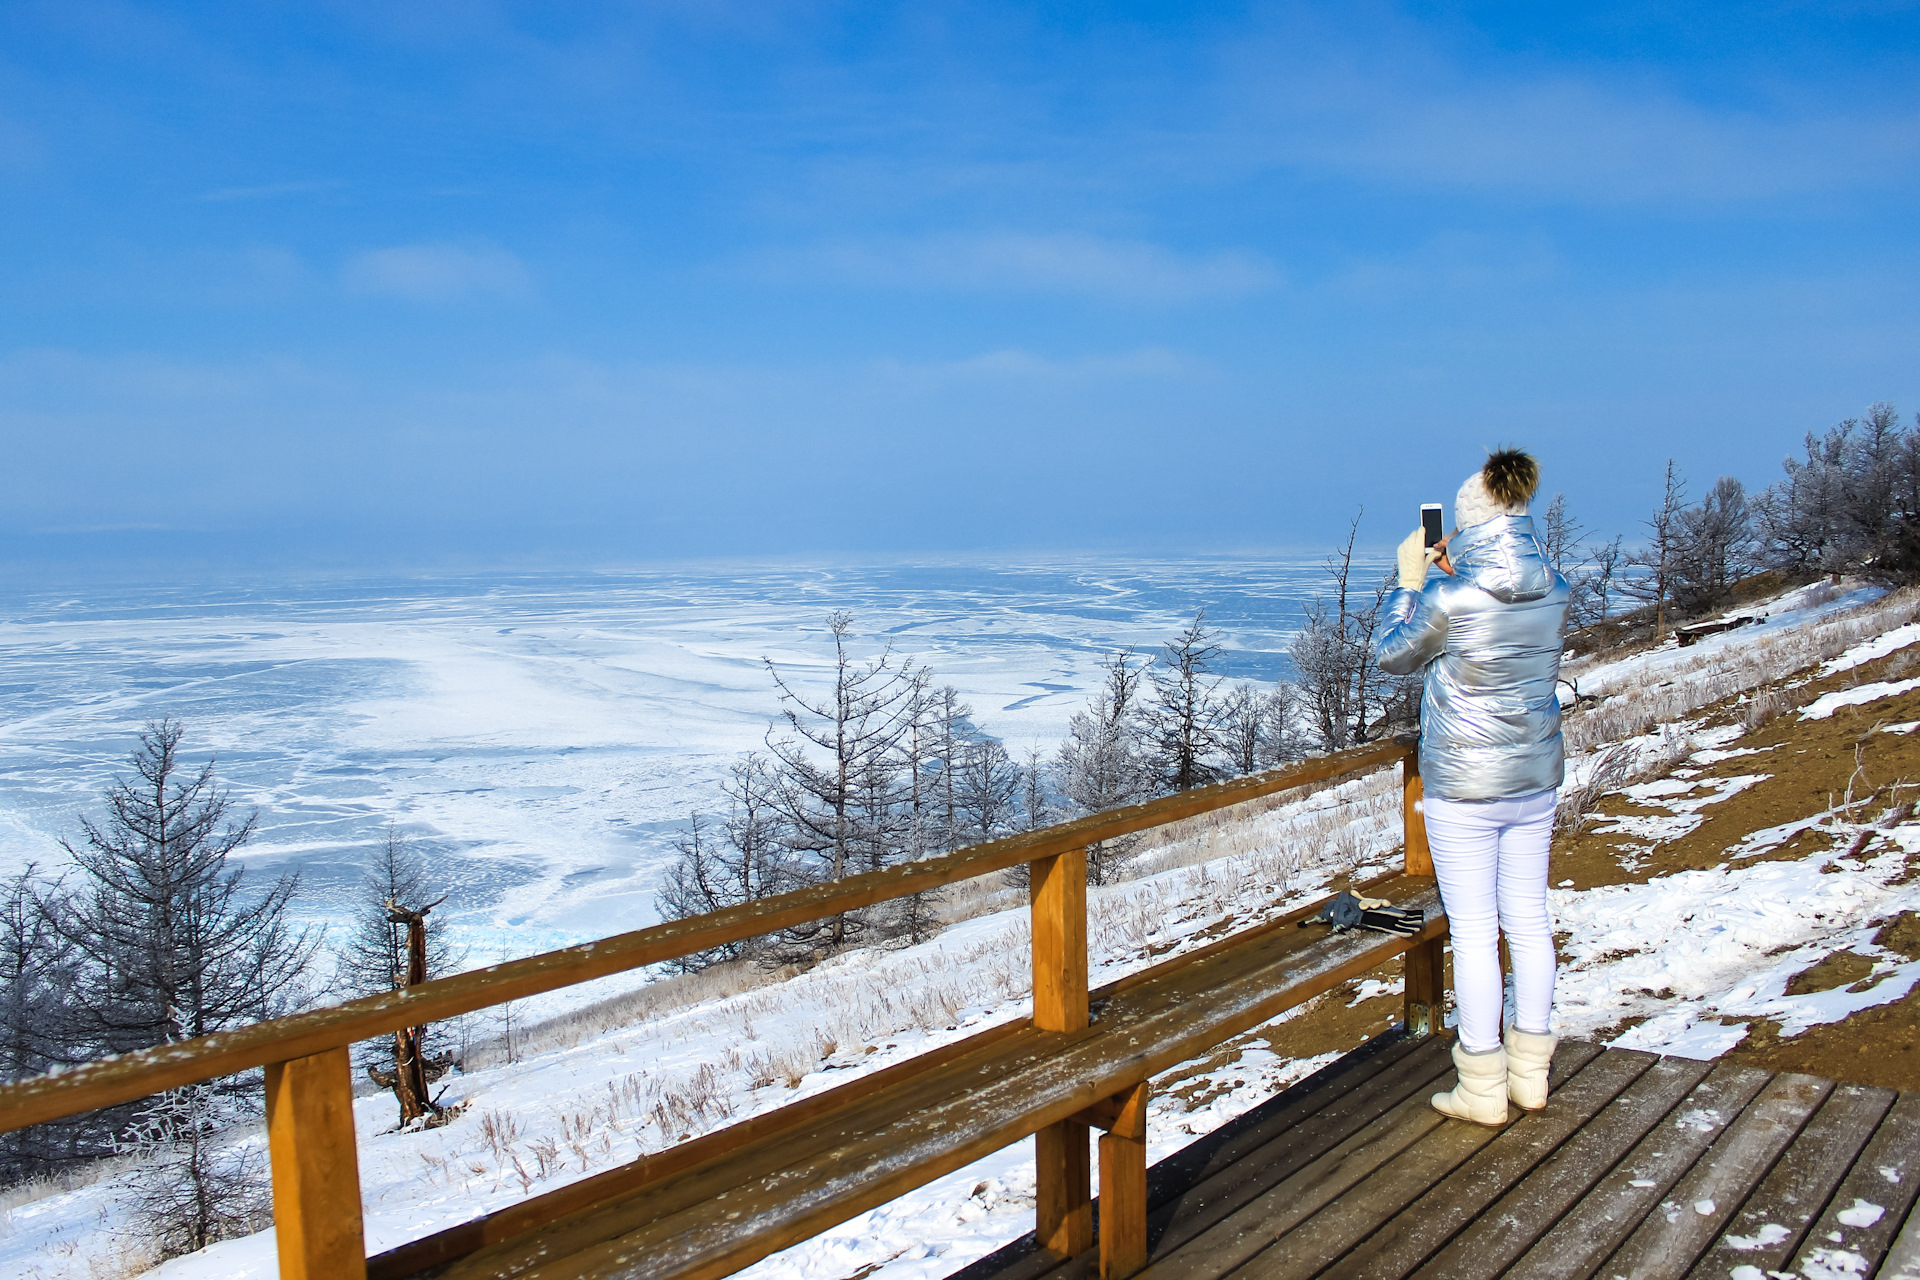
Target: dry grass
1722,672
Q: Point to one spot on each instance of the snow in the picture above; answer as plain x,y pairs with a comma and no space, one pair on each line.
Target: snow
628,1090
629,698
1828,703
1766,1237
1862,1213
1832,1264
1878,647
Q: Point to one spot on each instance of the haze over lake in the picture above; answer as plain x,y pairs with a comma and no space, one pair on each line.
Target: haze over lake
542,736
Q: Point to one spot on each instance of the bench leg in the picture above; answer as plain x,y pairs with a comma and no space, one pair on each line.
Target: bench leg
1123,1189
1063,1201
1426,983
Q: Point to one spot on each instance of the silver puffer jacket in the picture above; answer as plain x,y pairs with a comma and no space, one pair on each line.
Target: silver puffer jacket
1489,640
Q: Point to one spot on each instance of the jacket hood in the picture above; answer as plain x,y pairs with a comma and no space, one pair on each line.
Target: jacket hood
1503,558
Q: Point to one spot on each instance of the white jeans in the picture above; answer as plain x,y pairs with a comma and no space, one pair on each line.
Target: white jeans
1490,857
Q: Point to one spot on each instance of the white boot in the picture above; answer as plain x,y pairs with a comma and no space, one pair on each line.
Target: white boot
1481,1094
1528,1059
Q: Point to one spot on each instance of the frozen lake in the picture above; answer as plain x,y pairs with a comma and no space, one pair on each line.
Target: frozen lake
541,737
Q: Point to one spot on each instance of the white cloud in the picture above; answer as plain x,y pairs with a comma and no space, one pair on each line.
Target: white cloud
1062,263
438,273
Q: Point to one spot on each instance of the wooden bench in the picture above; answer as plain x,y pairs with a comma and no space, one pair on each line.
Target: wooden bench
715,1204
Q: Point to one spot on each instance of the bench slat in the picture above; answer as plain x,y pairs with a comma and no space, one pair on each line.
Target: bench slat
710,1222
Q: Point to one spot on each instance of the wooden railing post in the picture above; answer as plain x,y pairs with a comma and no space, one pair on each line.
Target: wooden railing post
316,1168
1426,962
1123,1188
1426,983
1063,1201
1413,824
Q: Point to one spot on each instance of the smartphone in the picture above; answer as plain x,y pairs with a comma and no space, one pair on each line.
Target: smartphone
1430,522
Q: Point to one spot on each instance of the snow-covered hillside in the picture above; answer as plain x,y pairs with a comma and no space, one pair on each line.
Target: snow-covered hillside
1677,960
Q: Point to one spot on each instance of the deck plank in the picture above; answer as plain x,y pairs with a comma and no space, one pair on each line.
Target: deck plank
1887,1177
1768,1228
1244,1233
1215,1174
1314,1244
1505,1231
1288,1150
1903,1259
1608,1213
1684,1224
1425,1226
1311,1112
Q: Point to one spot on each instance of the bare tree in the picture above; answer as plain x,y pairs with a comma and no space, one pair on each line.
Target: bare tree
36,1028
1345,693
950,728
1036,802
168,945
1560,533
1100,764
391,944
1853,502
838,766
1285,732
1659,557
194,1182
743,860
988,787
1715,547
1242,727
1183,718
1260,730
1593,586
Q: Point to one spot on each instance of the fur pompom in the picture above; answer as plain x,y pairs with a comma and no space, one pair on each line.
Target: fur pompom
1511,477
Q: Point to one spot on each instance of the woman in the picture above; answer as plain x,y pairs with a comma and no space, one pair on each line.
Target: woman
1486,638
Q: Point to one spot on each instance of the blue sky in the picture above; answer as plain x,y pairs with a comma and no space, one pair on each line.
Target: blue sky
378,285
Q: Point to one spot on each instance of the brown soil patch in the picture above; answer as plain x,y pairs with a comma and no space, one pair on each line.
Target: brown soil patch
1874,1046
1902,935
1809,766
1841,969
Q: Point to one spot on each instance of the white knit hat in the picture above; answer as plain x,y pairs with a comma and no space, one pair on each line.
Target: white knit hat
1502,487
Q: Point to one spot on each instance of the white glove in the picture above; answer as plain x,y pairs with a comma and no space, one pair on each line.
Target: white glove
1415,555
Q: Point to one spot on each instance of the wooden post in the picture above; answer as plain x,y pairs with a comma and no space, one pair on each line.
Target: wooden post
1063,1204
1123,1188
316,1168
1063,1199
1413,824
1426,983
1059,901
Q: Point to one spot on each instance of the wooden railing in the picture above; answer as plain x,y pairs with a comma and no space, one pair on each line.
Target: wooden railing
309,1092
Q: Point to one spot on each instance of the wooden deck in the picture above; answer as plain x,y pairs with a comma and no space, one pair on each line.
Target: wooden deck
1641,1166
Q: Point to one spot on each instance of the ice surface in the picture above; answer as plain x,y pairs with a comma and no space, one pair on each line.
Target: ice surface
542,737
